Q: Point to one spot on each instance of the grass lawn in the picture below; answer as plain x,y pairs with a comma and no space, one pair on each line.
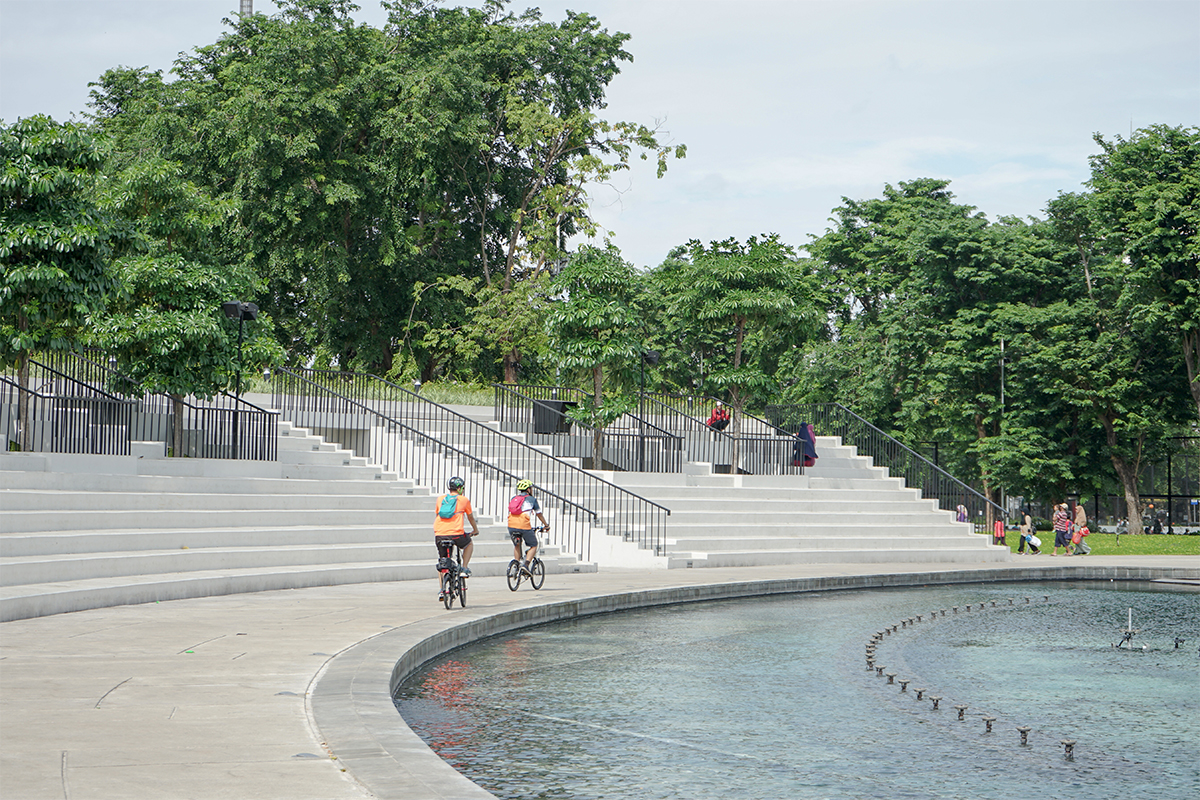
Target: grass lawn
1105,544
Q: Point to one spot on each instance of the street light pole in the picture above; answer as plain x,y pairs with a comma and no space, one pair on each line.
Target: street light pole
651,356
241,311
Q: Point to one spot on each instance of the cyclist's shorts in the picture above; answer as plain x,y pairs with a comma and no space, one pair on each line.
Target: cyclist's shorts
518,534
445,544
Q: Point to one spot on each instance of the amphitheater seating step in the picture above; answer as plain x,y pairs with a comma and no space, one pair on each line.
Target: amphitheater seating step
81,532
844,510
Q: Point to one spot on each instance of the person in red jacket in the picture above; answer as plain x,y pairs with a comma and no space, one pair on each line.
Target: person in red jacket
719,420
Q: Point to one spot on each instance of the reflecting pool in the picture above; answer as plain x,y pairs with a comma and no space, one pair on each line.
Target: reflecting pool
772,698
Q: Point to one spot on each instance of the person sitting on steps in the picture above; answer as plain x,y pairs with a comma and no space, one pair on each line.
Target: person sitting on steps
719,420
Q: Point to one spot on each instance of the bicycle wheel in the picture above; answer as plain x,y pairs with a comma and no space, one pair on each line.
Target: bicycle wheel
537,573
447,590
514,574
462,591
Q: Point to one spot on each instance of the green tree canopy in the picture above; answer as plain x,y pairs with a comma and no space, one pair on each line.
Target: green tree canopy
1147,202
167,329
594,325
364,162
54,241
756,295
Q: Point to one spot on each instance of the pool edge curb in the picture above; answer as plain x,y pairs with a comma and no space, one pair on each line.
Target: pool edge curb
351,701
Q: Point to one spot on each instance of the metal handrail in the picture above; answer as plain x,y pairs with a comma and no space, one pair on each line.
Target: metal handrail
428,443
640,446
834,419
707,401
222,427
87,420
770,453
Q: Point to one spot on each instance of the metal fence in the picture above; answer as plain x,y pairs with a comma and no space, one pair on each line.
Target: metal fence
629,444
1168,490
428,443
79,405
918,472
762,448
85,421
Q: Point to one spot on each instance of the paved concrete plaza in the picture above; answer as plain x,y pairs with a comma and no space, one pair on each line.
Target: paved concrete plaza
285,694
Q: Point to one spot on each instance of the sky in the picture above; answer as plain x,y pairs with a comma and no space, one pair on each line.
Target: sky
786,106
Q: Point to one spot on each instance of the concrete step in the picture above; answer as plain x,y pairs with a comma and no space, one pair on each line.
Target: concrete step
318,472
35,600
800,541
899,532
86,566
843,556
858,484
31,521
152,483
59,542
30,500
799,510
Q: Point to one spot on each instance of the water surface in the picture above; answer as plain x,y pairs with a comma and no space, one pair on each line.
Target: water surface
771,698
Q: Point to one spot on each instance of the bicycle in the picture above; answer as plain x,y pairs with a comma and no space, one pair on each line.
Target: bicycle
454,582
536,573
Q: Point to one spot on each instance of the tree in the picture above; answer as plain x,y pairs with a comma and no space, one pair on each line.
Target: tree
1093,358
54,241
594,325
364,162
1110,352
477,333
750,293
930,286
1147,200
166,329
524,140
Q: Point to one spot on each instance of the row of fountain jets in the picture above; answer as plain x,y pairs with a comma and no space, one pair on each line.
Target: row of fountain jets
1068,744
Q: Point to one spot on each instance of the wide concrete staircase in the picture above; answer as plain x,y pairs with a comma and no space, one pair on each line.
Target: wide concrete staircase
82,532
843,510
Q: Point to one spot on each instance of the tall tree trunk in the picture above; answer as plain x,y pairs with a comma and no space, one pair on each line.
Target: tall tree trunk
1133,503
1127,473
177,425
1191,358
990,492
510,365
598,431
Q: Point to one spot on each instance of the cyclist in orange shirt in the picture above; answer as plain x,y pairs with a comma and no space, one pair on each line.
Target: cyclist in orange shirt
521,510
449,522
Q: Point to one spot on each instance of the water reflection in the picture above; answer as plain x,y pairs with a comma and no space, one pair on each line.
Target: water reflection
770,698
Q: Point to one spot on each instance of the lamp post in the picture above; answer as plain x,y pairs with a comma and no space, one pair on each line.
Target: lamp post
241,311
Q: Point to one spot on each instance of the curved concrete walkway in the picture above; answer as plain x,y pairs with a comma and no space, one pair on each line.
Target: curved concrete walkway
287,694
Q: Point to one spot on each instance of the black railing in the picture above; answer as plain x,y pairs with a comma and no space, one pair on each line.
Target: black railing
220,427
629,444
699,406
762,448
85,420
428,443
918,472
